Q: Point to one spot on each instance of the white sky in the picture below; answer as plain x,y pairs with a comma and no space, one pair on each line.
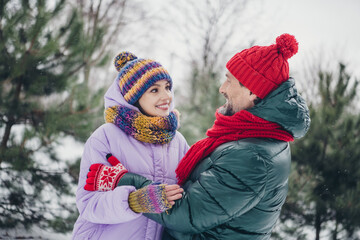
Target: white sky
329,27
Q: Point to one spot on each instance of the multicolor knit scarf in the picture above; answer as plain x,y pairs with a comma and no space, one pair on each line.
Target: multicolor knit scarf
157,130
241,125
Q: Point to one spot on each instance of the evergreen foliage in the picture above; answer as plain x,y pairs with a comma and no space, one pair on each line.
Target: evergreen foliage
325,182
43,47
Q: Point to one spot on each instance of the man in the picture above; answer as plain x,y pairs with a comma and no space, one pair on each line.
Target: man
235,181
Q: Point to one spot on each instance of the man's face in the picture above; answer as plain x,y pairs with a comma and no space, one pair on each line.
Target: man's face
237,97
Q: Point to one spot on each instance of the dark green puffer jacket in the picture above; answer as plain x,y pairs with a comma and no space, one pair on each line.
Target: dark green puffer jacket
237,192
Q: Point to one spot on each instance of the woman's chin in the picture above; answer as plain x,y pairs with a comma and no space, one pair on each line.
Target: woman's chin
162,113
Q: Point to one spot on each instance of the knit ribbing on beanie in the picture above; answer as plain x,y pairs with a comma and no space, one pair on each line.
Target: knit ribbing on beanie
262,69
139,75
258,70
157,130
253,80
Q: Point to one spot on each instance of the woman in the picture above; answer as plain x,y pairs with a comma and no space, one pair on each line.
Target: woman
141,132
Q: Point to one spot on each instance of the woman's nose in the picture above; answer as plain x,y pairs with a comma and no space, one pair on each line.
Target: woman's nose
166,94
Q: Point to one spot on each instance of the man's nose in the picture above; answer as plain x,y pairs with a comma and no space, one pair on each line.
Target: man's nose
221,88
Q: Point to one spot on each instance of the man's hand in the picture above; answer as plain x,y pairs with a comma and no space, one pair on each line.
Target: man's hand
173,192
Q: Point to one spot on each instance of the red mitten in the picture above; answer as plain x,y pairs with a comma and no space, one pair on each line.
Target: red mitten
105,178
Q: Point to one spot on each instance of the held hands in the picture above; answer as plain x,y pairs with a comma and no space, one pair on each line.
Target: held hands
173,193
154,198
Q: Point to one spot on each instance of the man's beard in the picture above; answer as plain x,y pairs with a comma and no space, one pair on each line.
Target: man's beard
227,109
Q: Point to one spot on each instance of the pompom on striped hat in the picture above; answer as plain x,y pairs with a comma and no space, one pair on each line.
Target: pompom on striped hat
262,69
136,75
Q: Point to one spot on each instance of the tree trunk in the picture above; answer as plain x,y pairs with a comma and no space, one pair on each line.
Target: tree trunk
11,119
317,222
335,232
6,135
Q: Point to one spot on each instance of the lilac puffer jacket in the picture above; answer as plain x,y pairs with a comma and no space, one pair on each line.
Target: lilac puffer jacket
106,215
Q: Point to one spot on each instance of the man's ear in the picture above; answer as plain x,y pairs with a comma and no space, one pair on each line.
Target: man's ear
252,97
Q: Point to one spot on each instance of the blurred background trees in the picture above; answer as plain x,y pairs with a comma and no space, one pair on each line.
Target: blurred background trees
54,65
325,181
43,49
208,37
49,52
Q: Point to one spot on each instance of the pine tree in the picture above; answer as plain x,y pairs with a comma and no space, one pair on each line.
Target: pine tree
326,177
42,49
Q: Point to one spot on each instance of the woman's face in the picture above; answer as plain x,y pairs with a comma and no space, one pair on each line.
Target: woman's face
155,102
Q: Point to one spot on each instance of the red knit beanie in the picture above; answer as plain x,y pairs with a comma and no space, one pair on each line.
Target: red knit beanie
262,69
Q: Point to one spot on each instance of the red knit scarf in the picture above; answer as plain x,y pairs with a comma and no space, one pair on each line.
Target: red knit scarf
241,125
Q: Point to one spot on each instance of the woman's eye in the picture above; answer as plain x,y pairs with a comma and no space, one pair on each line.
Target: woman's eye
154,90
168,88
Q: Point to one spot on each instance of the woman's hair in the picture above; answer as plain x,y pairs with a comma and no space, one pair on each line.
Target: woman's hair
137,104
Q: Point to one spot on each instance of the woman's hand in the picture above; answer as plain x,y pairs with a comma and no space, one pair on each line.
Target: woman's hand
173,192
105,178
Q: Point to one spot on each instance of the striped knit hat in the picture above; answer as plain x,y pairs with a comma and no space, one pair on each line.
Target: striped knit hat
137,75
262,69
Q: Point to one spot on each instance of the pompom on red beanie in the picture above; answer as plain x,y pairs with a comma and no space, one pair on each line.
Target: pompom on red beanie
262,69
